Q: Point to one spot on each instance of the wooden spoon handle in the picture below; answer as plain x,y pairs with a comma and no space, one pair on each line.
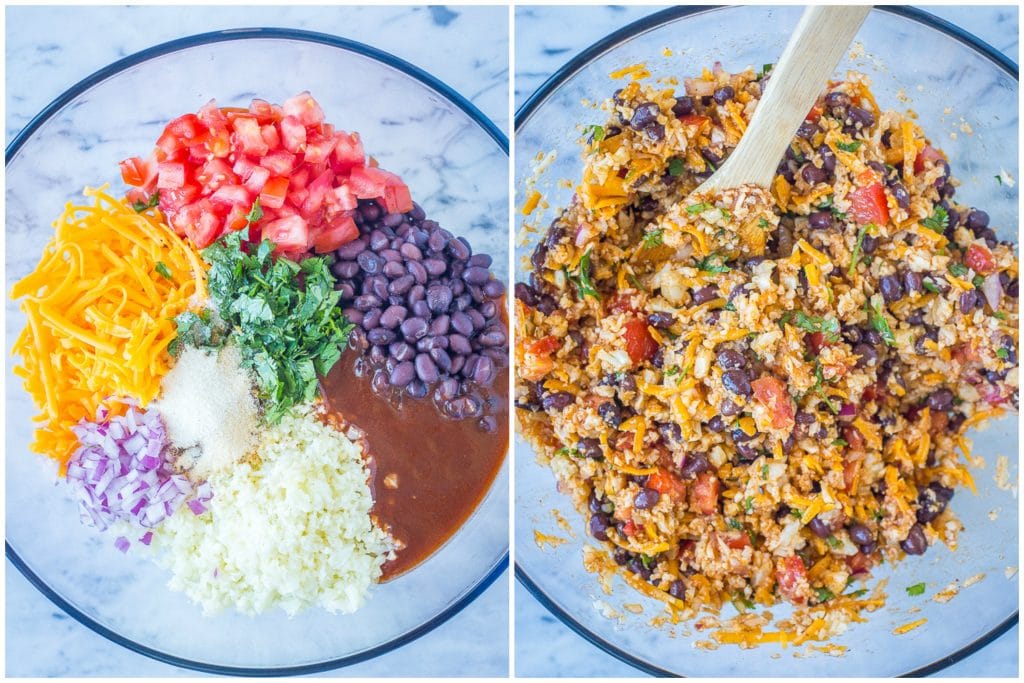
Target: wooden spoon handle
815,48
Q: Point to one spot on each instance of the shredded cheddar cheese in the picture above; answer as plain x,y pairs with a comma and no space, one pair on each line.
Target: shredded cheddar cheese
99,315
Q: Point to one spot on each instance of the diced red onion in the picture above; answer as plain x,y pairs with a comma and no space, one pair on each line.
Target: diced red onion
146,538
993,290
120,472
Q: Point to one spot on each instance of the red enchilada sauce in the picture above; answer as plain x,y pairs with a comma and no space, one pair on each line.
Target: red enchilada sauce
429,473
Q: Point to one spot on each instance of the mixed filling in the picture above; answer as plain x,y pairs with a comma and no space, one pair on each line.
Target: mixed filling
179,342
759,396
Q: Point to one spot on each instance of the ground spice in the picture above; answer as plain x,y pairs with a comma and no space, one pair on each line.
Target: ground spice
208,407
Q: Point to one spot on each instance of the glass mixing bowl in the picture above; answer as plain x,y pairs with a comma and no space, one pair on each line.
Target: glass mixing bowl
456,164
916,61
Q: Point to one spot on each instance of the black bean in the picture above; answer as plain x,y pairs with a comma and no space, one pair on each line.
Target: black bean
483,373
494,288
747,452
661,321
656,132
599,526
345,269
357,338
828,159
349,250
476,275
461,323
459,344
819,528
807,130
643,115
873,337
439,298
740,436
670,432
366,302
868,356
416,389
730,359
646,499
591,448
717,424
891,288
916,543
440,325
977,220
403,373
426,368
858,116
724,94
860,534
813,175
869,244
414,329
421,310
556,400
820,220
969,301
683,106
441,358
737,382
677,589
931,501
913,282
459,249
900,194
729,408
837,99
353,315
611,413
705,294
411,251
380,336
377,354
492,337
393,316
488,309
940,400
694,464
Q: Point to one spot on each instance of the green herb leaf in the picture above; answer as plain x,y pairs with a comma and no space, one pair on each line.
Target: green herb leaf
880,324
834,542
713,263
931,287
594,132
569,452
163,270
796,513
763,224
1003,353
999,315
675,166
255,213
858,248
878,515
849,146
653,238
938,221
823,594
647,560
700,207
283,315
840,442
813,323
858,593
733,524
958,269
584,285
154,200
977,281
916,589
748,504
729,307
999,178
765,70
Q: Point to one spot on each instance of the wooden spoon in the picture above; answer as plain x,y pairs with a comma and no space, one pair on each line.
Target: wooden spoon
812,54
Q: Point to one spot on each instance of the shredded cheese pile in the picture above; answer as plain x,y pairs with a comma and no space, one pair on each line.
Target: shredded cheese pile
99,314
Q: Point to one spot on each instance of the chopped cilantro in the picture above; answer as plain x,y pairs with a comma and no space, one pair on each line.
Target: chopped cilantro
1003,353
916,589
635,282
958,269
748,505
880,324
938,221
764,471
823,594
729,307
255,213
834,542
931,287
849,146
858,248
700,207
840,442
977,281
162,268
675,166
765,70
584,285
713,263
733,524
569,452
858,593
647,560
878,515
594,132
197,329
999,178
813,323
763,224
142,206
796,513
653,238
999,315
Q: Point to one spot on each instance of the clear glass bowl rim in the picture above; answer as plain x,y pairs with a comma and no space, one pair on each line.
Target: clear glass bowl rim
177,45
538,98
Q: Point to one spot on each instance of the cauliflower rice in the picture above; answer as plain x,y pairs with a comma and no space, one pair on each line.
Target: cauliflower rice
290,527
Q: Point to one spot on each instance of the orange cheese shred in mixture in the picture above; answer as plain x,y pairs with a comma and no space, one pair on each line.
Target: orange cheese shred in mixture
99,308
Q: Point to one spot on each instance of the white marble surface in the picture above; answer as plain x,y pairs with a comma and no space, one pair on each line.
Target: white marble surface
45,55
544,646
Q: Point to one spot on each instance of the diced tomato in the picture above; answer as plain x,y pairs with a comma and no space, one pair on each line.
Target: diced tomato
737,540
853,437
367,183
265,112
543,346
851,468
170,175
305,109
929,153
346,201
173,200
231,195
139,173
212,117
348,151
693,120
397,198
293,134
319,148
279,162
236,218
341,231
816,341
274,192
791,575
206,227
629,527
868,205
299,179
188,129
814,114
621,303
258,177
980,259
640,345
247,136
667,483
290,233
316,192
168,147
214,174
271,136
704,493
771,392
297,198
965,353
